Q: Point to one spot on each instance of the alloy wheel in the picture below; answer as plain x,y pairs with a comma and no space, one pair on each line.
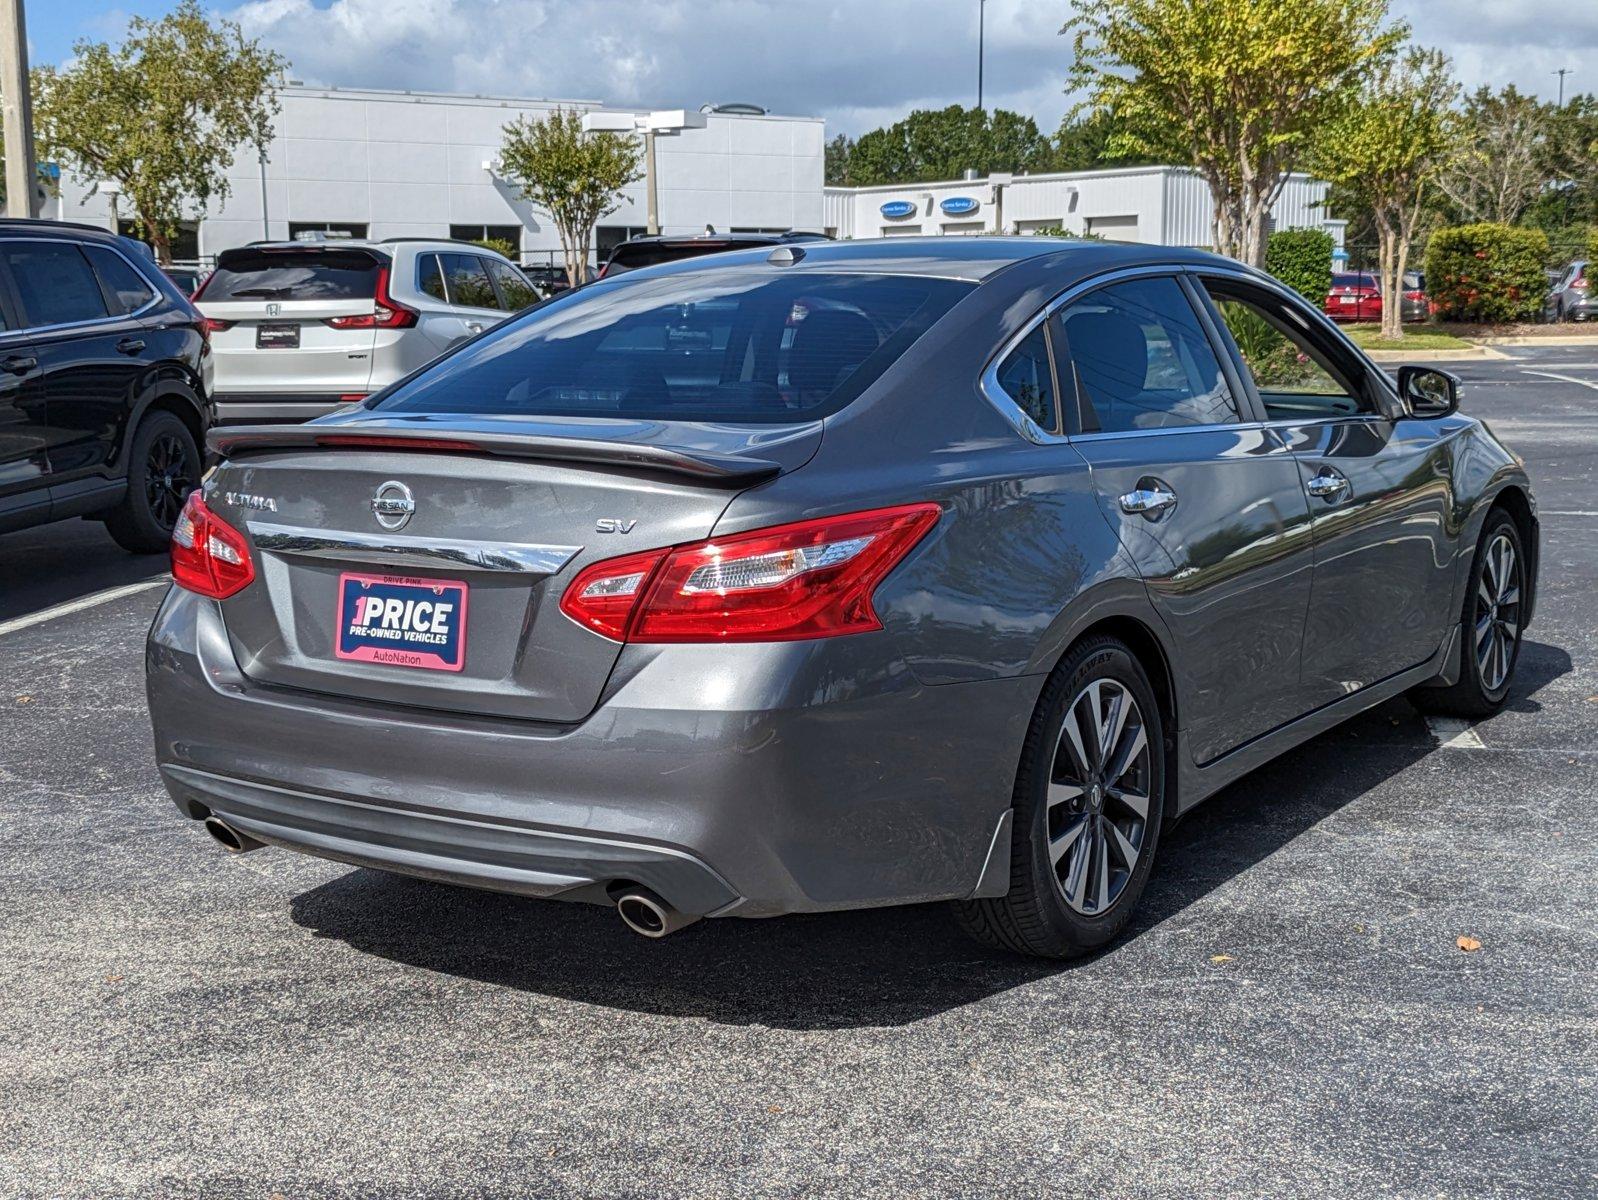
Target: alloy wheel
1497,613
1098,799
168,478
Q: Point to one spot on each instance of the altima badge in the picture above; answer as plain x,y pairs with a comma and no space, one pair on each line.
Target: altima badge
393,504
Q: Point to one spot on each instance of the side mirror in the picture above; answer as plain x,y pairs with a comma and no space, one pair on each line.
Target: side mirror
1430,393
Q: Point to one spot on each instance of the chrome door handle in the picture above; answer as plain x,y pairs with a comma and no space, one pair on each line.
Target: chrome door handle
130,346
18,364
1148,501
1328,485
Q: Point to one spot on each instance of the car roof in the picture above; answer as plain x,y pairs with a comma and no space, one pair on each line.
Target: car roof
40,225
752,239
972,258
385,246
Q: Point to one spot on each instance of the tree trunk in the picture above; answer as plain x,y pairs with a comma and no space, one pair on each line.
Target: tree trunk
1390,281
159,242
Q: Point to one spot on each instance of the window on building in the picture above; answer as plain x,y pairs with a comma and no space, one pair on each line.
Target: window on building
127,290
54,283
185,240
608,237
308,230
500,236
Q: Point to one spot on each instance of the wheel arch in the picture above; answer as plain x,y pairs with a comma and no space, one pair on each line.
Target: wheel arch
181,405
1514,499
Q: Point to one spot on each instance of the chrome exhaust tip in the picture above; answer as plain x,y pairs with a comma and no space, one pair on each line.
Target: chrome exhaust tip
230,839
645,913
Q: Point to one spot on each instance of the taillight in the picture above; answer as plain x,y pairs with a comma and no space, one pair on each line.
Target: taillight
812,579
209,556
211,325
387,313
1579,283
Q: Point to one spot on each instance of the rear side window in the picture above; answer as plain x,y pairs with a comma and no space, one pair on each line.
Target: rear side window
1027,379
54,283
516,292
127,289
429,278
467,281
1143,361
706,346
293,275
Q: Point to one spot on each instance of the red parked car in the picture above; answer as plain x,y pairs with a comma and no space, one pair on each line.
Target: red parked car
1355,296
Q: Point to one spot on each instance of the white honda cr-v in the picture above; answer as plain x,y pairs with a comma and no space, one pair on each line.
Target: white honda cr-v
300,328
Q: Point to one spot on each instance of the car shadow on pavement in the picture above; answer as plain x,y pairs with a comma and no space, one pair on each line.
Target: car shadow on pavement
880,967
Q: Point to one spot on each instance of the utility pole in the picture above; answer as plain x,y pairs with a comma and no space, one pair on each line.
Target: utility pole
1562,72
651,188
982,23
16,107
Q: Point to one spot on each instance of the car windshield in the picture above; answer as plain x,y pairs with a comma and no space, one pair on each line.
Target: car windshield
293,275
706,346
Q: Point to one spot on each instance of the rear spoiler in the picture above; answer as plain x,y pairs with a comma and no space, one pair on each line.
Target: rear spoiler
718,470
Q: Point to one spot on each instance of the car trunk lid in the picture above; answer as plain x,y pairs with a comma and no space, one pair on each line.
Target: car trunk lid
503,515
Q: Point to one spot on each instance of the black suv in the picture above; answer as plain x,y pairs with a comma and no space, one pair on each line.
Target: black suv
654,249
104,384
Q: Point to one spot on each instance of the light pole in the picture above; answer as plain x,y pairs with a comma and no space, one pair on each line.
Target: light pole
16,108
1562,72
651,124
982,29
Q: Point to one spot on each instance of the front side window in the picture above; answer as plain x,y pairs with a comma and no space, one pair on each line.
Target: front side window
1142,360
706,346
1294,376
127,289
1028,380
54,283
467,281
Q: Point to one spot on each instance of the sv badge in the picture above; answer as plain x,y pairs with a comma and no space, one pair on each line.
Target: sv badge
613,525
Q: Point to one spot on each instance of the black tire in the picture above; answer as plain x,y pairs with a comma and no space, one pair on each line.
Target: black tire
1036,917
163,468
1484,681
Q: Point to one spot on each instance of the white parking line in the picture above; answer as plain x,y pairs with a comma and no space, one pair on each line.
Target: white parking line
1567,512
1453,734
81,603
1586,383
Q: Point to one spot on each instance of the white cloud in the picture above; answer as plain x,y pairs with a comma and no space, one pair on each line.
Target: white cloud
859,64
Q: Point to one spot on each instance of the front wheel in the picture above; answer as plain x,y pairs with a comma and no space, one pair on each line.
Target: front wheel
163,468
1089,798
1492,623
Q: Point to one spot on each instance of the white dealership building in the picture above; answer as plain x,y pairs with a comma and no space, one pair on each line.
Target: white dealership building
384,164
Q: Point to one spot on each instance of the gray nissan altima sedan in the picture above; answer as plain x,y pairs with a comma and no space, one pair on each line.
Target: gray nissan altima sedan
830,576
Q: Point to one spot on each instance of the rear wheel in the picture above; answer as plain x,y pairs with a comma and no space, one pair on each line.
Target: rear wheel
1088,802
1492,626
163,468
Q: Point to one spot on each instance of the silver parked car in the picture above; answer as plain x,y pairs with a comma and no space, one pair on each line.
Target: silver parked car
300,328
1570,298
834,575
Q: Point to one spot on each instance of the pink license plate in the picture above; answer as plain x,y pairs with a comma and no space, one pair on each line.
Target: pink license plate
402,621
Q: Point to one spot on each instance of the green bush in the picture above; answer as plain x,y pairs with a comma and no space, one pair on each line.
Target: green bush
1489,273
1592,245
498,245
1302,259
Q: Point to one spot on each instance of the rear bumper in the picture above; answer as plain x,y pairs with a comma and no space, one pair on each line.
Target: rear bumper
753,780
234,408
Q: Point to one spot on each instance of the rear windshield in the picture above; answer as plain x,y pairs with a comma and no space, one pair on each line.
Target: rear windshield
652,254
1368,281
716,346
314,275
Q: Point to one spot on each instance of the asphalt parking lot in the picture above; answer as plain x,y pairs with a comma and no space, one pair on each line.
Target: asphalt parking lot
1291,1015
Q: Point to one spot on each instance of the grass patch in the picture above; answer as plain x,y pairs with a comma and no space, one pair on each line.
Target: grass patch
1368,336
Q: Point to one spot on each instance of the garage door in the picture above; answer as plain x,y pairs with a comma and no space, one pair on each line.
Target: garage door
1120,229
899,230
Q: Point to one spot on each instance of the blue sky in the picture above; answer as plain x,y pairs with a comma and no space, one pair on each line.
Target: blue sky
859,63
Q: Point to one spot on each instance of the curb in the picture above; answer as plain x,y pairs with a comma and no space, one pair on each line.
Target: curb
1464,353
1572,339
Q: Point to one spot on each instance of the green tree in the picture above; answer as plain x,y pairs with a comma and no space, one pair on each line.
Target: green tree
163,114
575,177
1085,142
1387,146
838,151
932,144
1237,88
1504,157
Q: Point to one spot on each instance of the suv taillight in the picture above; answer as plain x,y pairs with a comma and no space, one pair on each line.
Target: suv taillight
210,325
387,313
209,556
1580,282
812,579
